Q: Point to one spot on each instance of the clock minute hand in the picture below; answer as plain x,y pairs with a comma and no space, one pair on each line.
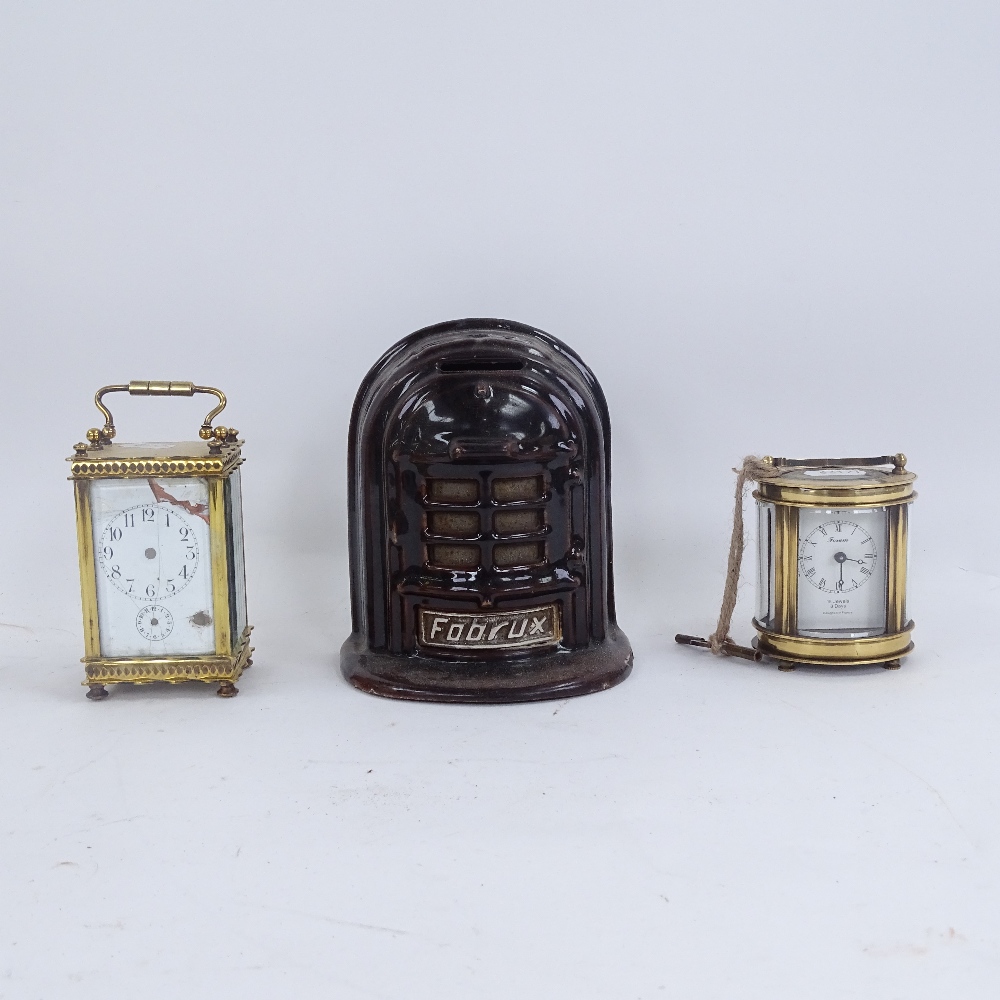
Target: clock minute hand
841,558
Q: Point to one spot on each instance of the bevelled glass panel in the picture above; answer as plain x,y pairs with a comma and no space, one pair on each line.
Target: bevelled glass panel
518,522
453,524
457,491
237,563
454,556
765,563
518,489
518,554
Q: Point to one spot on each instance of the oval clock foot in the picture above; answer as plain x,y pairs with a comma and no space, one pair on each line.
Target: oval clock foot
97,692
227,690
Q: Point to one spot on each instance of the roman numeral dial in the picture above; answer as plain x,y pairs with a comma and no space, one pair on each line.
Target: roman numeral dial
837,557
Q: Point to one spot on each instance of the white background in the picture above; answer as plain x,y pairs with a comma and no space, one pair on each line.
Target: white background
769,228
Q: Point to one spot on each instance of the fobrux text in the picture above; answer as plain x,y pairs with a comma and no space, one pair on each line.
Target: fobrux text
501,630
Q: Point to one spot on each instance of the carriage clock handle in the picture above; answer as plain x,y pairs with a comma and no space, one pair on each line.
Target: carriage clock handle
100,436
897,461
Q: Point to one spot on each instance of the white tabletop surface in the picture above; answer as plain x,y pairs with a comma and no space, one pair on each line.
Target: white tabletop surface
709,828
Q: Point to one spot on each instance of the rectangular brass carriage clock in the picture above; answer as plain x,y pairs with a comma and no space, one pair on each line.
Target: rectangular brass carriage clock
160,535
831,562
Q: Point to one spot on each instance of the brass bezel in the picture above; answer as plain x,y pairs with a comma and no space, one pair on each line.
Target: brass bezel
834,652
798,496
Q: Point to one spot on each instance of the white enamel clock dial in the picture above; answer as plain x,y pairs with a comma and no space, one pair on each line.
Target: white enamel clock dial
153,572
149,551
854,554
842,571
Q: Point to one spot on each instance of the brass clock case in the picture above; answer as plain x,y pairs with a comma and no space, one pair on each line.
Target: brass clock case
214,458
847,484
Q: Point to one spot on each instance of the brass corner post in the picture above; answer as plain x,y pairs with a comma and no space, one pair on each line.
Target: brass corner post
220,566
88,587
896,531
786,568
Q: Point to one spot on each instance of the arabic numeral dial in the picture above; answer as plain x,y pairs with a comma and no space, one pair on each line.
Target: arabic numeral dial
149,552
837,557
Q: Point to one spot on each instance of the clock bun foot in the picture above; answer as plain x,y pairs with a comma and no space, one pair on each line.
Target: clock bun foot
892,664
97,692
785,665
227,690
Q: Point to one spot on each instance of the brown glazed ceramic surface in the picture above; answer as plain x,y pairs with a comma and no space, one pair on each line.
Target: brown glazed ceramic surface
480,521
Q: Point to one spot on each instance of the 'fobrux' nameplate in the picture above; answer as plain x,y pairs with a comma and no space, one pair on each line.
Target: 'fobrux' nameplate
501,630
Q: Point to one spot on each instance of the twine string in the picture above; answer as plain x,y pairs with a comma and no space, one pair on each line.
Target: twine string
753,469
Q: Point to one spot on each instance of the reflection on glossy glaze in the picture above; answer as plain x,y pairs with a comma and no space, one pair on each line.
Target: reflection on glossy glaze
502,422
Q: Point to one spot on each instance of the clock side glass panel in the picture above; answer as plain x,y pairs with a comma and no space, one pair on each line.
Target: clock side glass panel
765,563
237,564
153,566
842,572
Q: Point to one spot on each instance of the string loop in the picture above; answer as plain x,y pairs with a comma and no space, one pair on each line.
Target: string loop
753,469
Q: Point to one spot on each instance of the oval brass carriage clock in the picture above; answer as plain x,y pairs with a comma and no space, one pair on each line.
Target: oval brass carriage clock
160,535
831,562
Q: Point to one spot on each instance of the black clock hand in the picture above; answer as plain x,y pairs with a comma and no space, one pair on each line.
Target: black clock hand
840,557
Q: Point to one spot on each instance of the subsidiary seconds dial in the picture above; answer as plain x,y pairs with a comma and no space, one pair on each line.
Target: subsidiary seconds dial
149,552
837,557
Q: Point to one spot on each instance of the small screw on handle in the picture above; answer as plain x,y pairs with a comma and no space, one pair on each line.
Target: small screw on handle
729,648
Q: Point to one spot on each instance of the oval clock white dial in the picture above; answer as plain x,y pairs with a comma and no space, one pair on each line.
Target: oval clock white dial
837,557
149,552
